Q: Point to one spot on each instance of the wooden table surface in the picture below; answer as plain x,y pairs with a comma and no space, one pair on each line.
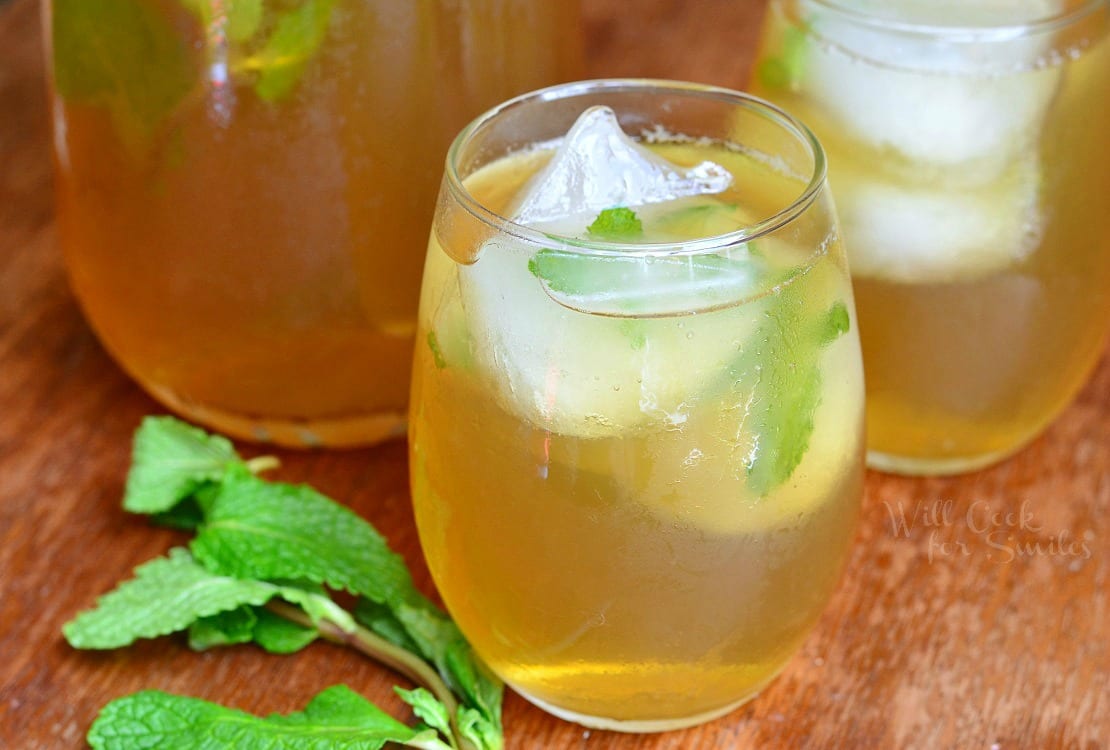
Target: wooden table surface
952,629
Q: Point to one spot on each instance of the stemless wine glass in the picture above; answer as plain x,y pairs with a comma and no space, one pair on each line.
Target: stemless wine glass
636,450
244,187
968,152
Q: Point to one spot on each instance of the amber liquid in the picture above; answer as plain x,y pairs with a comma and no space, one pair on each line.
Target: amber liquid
965,370
627,577
255,265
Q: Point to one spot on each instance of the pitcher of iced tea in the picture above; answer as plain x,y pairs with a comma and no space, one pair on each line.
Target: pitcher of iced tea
245,186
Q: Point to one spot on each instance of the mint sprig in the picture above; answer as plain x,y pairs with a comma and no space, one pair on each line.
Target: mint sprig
336,719
259,569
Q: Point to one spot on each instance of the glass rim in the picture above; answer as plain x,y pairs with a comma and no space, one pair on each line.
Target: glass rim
960,33
588,247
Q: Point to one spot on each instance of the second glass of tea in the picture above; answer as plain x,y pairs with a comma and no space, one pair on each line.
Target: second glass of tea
970,159
637,409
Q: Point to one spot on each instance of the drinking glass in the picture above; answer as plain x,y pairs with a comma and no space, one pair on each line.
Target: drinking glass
244,188
636,464
969,156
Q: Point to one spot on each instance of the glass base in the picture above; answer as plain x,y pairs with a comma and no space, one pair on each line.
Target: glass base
641,726
913,466
342,432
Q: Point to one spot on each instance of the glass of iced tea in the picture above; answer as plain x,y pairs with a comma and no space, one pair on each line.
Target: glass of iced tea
245,186
637,412
970,159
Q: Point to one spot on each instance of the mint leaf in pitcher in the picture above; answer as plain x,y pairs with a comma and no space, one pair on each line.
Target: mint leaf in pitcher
123,55
283,57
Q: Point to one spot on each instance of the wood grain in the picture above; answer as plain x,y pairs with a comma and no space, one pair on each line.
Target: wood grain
939,636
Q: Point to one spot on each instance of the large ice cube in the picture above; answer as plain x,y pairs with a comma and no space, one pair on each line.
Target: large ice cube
930,234
585,374
597,166
970,103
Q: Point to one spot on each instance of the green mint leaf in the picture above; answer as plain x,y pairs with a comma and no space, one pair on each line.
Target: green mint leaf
627,285
280,636
336,719
834,323
223,629
243,19
785,69
427,709
441,642
782,360
298,34
167,595
123,55
170,461
616,224
187,515
380,620
633,328
479,731
437,354
269,530
701,220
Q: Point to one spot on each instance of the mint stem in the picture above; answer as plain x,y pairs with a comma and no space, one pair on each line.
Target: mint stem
381,650
263,463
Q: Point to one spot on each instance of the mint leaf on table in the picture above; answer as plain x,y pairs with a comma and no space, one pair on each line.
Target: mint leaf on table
123,55
427,708
336,719
616,224
261,562
247,534
441,641
280,636
167,595
172,593
170,461
298,34
782,362
223,629
267,530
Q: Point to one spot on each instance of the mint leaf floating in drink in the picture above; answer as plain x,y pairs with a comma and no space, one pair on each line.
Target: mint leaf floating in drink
616,224
262,556
628,285
780,363
124,56
282,59
337,718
